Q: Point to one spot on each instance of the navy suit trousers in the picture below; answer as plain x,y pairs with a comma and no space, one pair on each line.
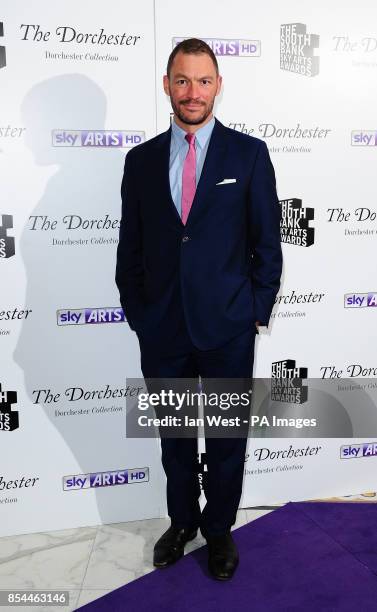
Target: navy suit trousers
225,456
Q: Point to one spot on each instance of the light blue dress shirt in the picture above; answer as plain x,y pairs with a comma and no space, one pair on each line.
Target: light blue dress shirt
178,151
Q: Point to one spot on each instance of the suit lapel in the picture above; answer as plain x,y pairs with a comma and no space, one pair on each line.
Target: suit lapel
161,159
212,172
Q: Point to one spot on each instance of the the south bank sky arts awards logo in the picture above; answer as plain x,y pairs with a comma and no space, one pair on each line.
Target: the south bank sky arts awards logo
7,243
3,57
294,223
287,382
297,49
232,47
8,416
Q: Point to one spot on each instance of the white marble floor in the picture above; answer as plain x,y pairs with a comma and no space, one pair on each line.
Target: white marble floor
88,562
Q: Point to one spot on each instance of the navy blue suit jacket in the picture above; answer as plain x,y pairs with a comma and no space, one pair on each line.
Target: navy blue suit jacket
221,271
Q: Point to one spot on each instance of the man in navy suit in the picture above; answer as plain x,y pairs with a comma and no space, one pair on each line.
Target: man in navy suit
198,269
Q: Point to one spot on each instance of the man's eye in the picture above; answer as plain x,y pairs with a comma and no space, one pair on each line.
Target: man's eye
181,81
205,81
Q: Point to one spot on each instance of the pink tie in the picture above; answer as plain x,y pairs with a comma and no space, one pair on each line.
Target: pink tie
188,178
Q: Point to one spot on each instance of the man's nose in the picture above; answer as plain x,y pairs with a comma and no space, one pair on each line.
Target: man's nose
193,91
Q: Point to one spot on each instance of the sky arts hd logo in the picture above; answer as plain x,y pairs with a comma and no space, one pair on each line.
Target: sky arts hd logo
354,451
7,244
96,138
3,60
91,316
233,47
360,300
364,138
105,479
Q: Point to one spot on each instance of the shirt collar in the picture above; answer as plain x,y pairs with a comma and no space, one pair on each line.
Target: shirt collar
202,135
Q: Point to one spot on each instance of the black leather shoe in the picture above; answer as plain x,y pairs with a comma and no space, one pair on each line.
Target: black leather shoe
222,556
170,547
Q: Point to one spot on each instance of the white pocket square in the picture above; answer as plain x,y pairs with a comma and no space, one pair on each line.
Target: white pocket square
226,181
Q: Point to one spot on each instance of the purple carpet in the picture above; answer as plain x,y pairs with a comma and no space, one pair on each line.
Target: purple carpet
302,557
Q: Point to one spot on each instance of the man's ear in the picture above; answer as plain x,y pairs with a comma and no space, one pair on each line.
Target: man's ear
219,84
166,84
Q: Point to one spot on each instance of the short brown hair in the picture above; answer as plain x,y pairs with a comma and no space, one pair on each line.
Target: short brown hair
194,46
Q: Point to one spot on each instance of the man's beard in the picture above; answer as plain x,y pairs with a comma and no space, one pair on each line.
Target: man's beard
186,118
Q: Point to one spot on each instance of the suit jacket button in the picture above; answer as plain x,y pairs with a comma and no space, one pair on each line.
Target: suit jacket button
185,238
